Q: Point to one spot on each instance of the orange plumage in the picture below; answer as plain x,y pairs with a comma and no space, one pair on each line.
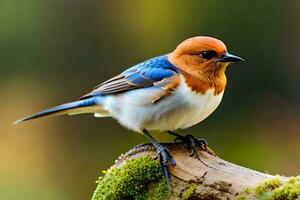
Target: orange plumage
200,74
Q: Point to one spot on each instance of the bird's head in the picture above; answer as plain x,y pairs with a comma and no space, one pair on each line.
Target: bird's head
202,61
202,55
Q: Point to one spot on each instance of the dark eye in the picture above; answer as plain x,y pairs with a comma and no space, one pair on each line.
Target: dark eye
208,54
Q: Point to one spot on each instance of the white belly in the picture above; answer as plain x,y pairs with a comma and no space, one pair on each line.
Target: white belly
179,110
198,107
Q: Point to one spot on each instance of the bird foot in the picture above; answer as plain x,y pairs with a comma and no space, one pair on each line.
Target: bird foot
165,158
193,144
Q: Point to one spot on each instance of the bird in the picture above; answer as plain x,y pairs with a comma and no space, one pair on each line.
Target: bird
169,92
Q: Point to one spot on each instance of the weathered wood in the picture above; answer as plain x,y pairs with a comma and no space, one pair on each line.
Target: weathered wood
211,178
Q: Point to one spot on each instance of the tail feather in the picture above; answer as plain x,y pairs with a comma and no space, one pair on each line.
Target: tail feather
75,107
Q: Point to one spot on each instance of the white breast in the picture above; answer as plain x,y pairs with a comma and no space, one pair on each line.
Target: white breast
198,106
182,109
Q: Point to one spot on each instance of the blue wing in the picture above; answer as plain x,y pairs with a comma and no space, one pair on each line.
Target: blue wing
142,75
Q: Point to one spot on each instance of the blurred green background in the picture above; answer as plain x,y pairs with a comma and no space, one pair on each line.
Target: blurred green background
53,51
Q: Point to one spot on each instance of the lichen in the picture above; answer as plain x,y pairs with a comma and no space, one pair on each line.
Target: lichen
139,178
274,189
189,191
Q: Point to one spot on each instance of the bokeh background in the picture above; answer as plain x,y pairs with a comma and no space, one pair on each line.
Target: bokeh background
53,51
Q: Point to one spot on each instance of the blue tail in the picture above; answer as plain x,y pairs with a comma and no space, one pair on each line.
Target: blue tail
67,108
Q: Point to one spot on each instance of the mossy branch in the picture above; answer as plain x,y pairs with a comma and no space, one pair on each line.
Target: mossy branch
137,175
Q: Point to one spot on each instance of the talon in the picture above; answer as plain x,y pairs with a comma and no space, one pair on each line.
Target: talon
193,145
194,153
203,143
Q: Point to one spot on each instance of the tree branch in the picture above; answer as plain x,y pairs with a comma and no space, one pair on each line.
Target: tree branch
210,178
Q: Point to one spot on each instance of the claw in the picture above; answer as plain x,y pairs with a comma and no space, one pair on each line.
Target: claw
193,144
194,153
203,143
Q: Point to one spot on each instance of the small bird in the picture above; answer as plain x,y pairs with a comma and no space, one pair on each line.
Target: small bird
165,93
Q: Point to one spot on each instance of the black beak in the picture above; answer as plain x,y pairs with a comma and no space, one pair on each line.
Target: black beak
226,57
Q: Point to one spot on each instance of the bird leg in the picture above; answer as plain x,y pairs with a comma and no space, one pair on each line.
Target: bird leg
192,143
163,155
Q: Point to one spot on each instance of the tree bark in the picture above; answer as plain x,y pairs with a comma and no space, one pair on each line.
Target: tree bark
212,177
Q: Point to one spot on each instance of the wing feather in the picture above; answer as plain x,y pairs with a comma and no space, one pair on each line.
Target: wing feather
146,74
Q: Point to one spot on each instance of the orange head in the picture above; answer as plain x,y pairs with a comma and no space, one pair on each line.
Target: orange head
203,60
202,53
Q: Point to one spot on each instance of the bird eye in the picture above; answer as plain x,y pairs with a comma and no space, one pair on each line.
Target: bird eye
208,54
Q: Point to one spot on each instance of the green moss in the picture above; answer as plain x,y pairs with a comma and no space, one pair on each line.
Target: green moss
241,197
139,178
263,190
157,191
246,193
274,189
188,192
288,191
